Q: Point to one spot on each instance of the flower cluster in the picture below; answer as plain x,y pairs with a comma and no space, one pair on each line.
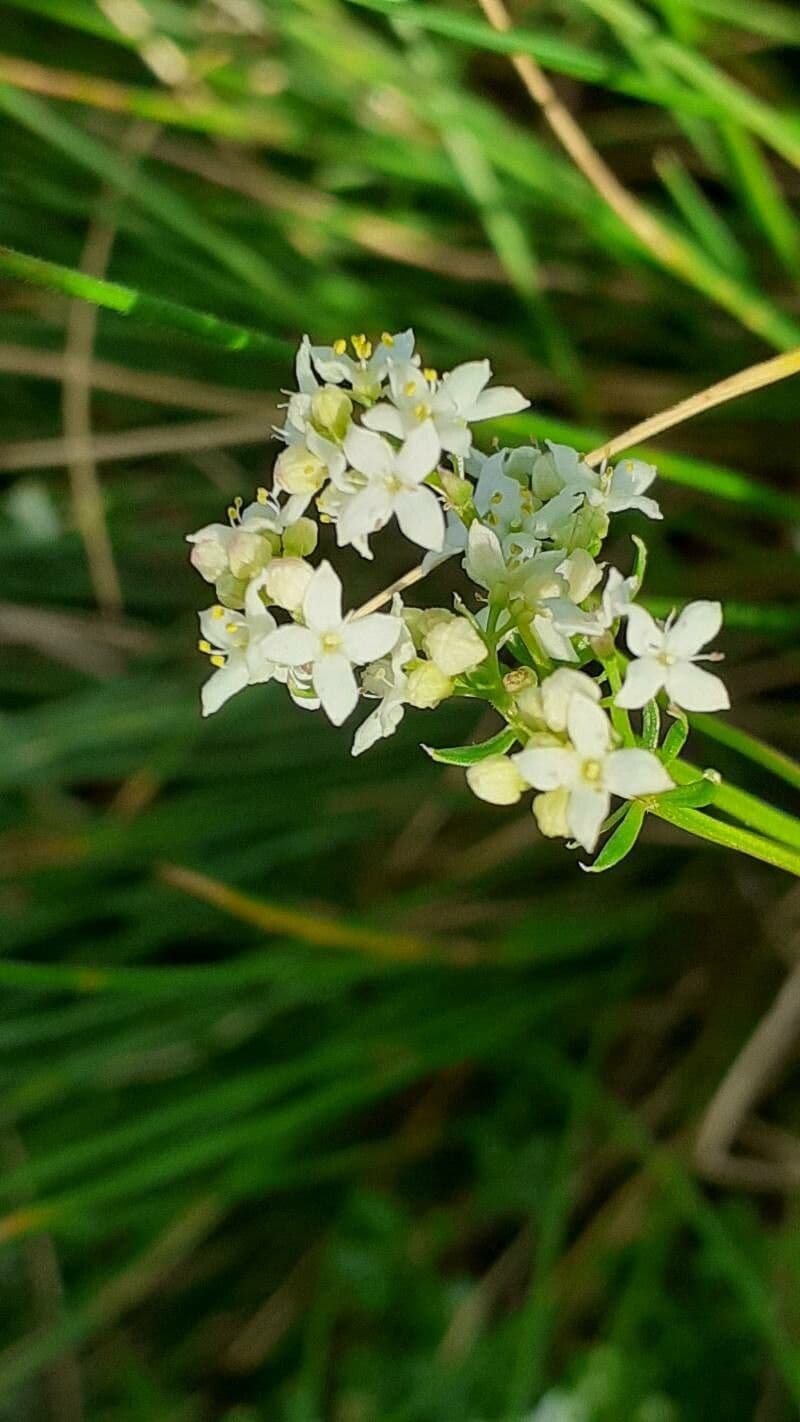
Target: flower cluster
371,435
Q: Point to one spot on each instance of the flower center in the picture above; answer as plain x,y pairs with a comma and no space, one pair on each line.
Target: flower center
331,642
666,659
421,411
592,770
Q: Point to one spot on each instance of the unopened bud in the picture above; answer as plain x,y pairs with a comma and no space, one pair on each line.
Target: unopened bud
427,686
421,620
331,411
210,557
496,780
300,538
529,706
519,680
298,471
231,590
459,492
247,554
286,581
550,810
558,690
455,646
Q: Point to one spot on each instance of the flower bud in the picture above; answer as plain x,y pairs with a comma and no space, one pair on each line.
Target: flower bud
546,481
529,706
298,471
496,780
460,493
420,621
550,810
231,590
521,463
519,680
427,686
455,646
582,574
247,553
585,529
557,692
286,581
209,556
300,538
331,411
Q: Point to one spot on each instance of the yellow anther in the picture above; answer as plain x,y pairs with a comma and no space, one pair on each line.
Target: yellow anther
361,346
497,497
340,346
203,645
217,660
387,339
262,495
421,412
230,628
410,387
218,611
430,374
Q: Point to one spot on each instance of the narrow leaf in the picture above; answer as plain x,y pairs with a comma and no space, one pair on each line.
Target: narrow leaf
470,755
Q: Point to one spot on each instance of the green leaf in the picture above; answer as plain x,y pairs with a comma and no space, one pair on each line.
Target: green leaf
675,739
470,755
651,725
696,794
621,842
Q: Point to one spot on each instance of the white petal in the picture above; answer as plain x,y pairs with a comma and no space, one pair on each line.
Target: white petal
586,811
420,453
548,767
557,691
215,628
304,371
484,561
464,384
698,624
291,646
643,680
383,722
223,685
420,517
588,727
336,686
322,604
694,689
386,418
368,452
635,772
500,400
648,507
367,638
455,436
363,513
645,637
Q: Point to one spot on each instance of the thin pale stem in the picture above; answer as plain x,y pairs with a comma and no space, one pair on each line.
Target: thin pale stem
754,377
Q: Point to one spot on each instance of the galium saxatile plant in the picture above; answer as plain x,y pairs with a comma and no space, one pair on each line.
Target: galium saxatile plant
552,637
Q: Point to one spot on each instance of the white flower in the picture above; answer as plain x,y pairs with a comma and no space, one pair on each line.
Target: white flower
667,656
235,644
610,489
590,771
617,599
509,507
331,645
395,485
367,371
388,680
452,404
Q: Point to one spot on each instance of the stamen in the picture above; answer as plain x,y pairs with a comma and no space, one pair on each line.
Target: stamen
410,388
361,346
217,660
421,412
387,339
218,611
203,645
340,346
430,374
262,495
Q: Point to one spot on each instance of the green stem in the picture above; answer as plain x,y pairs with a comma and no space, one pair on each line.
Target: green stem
128,302
747,808
620,719
729,836
761,754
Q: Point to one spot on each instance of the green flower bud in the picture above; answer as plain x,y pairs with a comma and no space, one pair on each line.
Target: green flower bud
496,780
460,493
231,590
546,482
427,686
300,538
331,412
585,529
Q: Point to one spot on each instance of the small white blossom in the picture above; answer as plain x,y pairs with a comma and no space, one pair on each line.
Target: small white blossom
234,643
610,489
618,596
667,656
590,771
395,485
388,680
452,404
330,645
367,369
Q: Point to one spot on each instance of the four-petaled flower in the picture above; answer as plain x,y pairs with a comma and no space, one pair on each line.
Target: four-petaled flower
667,656
395,485
452,404
331,645
590,770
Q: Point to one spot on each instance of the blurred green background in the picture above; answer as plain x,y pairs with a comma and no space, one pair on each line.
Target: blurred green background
424,1149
